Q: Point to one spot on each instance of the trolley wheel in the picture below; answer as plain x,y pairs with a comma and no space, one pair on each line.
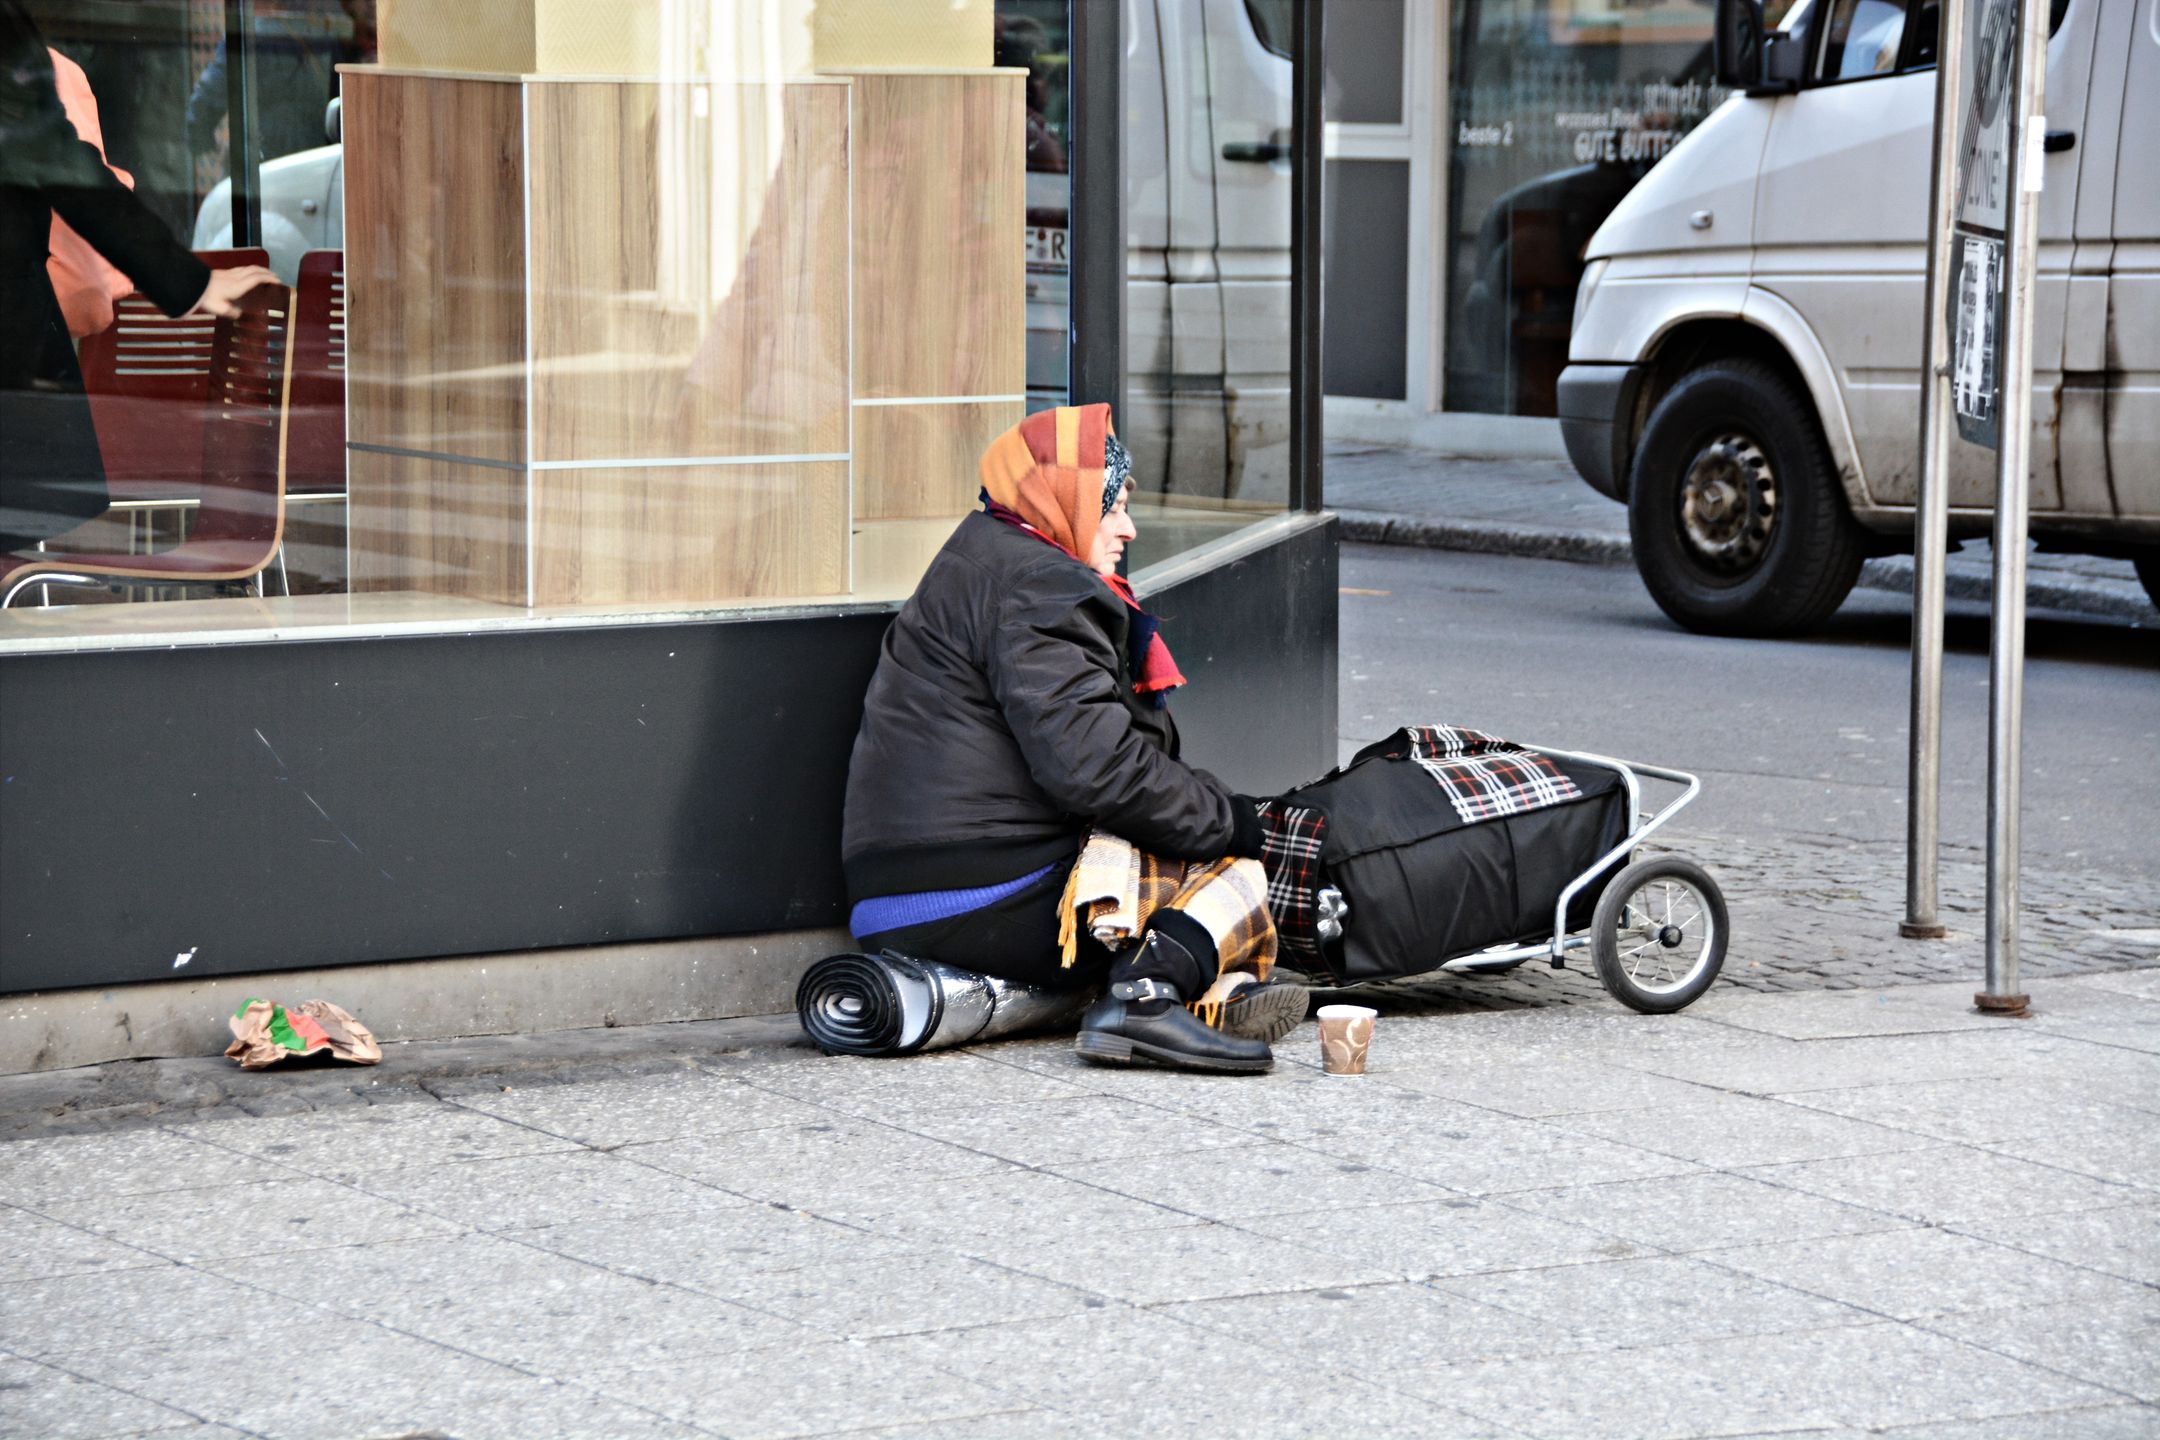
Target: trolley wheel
1659,934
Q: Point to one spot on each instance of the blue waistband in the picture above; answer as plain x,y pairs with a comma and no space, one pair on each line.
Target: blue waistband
881,913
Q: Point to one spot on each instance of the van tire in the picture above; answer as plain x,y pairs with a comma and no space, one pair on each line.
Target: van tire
1738,524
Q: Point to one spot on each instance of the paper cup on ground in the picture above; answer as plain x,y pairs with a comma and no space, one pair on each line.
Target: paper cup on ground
1345,1038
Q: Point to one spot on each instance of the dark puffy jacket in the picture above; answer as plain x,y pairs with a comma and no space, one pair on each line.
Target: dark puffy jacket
1002,723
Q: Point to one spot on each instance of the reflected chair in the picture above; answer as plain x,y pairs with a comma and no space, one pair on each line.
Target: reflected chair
315,427
315,421
148,378
239,479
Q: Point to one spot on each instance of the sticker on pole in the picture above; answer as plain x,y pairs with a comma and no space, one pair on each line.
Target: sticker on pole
1984,141
1976,305
1975,291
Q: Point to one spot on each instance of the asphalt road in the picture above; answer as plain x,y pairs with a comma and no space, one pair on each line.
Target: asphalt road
1794,737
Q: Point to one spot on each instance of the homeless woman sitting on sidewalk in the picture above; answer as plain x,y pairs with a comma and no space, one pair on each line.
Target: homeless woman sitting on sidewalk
1019,717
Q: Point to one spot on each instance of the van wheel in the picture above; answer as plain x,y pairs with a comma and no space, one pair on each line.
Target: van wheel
1738,524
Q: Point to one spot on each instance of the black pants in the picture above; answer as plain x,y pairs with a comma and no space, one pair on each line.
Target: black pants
1017,939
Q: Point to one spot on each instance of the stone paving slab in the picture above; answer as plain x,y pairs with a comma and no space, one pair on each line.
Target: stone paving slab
637,1111
517,1306
1622,1304
1438,1238
1704,1211
1823,1213
819,1389
209,1223
363,1380
2105,1422
32,1247
1924,1273
1948,1184
714,1251
2114,1340
535,1190
40,1400
1730,1132
2123,1241
1860,1376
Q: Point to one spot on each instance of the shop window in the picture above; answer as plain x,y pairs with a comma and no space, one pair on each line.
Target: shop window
594,322
1365,54
1558,108
1207,212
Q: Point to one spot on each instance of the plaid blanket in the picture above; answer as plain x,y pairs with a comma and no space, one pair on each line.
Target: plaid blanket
1290,853
1483,775
1115,886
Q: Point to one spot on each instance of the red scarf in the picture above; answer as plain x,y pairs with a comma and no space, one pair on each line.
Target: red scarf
1155,672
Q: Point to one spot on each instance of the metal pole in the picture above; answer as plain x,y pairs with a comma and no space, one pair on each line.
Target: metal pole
2006,638
1096,210
1308,213
1931,525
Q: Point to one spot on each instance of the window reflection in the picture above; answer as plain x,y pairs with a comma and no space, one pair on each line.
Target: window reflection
1559,108
714,309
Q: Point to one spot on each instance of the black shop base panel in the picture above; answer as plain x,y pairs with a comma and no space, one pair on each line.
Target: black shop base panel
261,807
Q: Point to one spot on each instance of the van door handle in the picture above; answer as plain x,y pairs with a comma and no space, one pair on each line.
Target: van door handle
2057,141
1259,152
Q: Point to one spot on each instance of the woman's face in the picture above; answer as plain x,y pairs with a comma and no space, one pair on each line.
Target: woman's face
1116,528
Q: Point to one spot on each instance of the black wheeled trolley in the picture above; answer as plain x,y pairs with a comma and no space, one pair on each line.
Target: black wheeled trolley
1406,885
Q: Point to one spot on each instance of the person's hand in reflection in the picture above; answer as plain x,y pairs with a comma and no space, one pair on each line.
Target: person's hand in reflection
222,296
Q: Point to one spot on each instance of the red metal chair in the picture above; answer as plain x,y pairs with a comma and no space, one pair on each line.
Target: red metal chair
315,428
240,476
148,377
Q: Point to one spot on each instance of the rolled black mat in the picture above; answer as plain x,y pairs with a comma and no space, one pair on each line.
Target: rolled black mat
894,1004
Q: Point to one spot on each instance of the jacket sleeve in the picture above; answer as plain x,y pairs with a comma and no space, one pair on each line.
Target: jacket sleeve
40,151
1054,670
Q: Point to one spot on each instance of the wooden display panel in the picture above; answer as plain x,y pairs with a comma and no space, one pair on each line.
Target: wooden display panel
436,526
915,462
695,534
940,210
434,266
659,332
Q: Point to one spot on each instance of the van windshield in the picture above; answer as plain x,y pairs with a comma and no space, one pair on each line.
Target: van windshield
1788,18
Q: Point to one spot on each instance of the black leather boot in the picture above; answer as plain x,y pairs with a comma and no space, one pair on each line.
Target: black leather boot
1142,1020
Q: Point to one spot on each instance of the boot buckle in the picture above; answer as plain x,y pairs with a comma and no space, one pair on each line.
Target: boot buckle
1143,990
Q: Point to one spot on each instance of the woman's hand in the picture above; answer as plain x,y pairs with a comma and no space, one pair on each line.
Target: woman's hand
222,295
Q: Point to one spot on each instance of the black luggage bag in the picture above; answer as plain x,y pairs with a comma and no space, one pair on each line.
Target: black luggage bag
1424,885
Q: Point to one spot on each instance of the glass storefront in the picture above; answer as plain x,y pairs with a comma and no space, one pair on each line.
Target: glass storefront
620,313
1208,223
1557,108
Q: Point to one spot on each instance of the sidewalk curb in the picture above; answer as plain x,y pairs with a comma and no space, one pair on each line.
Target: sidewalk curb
1486,537
2098,599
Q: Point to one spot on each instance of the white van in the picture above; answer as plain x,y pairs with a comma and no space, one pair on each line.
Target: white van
1744,367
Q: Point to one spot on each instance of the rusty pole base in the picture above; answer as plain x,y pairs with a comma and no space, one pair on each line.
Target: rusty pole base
2010,1007
1920,930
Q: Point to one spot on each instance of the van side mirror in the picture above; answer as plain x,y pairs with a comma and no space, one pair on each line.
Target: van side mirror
1748,55
333,120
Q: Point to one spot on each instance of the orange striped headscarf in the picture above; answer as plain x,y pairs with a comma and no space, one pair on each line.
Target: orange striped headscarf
1048,470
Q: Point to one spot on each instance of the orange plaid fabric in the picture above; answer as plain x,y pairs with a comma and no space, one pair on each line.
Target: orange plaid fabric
1116,886
1048,470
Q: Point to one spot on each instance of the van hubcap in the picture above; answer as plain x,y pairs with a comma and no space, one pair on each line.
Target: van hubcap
1728,504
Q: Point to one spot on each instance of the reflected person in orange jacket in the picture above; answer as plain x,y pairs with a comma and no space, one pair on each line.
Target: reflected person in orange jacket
85,283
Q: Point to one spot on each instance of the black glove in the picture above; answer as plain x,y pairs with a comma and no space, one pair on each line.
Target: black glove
1246,832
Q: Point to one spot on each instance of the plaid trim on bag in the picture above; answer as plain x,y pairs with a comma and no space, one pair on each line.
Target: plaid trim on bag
1483,775
1291,837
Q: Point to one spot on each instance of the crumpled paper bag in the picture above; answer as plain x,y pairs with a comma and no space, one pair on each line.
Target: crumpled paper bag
265,1032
